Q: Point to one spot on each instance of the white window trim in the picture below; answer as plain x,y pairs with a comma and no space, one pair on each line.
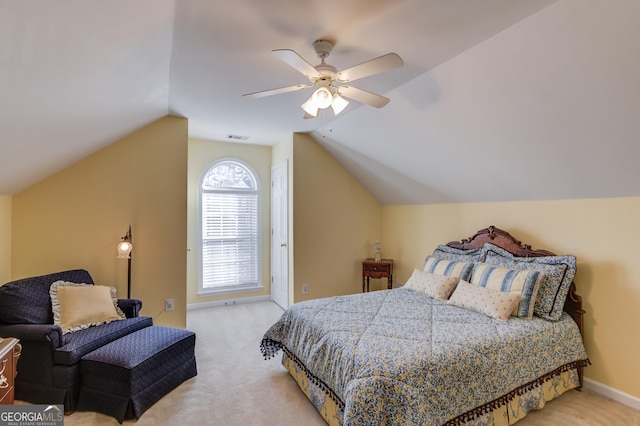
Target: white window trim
233,289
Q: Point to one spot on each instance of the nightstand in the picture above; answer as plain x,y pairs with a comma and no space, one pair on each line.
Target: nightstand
9,354
373,269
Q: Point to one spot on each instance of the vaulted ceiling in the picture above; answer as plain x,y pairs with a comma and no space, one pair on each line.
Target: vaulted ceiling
497,100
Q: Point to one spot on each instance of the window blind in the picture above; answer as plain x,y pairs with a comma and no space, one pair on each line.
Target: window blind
229,238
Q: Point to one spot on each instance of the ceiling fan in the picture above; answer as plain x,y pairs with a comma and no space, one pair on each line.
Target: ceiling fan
331,84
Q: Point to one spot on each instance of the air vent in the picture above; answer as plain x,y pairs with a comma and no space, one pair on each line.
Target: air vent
237,137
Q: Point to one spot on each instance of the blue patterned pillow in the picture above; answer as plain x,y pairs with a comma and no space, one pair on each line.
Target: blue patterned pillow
558,273
521,282
459,255
448,268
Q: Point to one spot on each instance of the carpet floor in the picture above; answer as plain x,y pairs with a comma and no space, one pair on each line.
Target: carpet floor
235,386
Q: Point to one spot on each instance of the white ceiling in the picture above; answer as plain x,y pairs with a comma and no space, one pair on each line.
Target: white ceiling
77,75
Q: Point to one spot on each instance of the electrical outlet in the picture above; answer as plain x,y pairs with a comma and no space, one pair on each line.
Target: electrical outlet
305,288
168,305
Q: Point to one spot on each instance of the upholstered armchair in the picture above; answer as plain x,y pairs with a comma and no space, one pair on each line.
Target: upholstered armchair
49,367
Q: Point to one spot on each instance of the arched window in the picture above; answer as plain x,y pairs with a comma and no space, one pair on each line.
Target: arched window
229,197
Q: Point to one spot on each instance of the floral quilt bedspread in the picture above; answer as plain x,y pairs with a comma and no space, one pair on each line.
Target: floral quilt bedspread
400,357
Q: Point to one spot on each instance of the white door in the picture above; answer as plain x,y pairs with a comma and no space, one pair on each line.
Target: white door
280,234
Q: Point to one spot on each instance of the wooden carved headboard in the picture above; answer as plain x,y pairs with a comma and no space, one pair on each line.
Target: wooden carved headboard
504,240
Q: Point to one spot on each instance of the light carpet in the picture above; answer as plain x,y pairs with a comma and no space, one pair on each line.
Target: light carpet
236,386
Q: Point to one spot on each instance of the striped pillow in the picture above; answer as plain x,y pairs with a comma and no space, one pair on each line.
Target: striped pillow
448,268
525,282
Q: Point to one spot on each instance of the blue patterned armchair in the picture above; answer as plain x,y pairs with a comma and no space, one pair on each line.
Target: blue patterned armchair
49,367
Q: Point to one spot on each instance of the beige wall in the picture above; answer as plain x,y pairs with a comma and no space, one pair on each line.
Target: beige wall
75,218
201,154
601,233
335,222
5,239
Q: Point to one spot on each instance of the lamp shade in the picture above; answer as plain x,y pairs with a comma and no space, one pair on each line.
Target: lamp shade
310,107
322,98
338,104
124,250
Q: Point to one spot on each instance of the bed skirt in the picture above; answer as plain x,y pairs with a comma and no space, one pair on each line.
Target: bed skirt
504,411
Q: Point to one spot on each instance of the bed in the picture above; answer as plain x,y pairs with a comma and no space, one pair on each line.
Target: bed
435,354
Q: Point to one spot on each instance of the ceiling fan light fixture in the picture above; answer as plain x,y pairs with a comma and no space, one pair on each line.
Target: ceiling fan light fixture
338,104
310,107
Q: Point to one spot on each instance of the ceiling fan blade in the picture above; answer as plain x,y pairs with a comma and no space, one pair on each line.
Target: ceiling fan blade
297,62
380,64
264,93
363,96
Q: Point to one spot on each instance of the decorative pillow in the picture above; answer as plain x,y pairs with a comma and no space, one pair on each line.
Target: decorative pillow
459,255
495,304
436,286
558,273
523,282
449,268
79,306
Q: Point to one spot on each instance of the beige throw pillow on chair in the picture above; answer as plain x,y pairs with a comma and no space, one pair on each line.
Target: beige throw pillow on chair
79,306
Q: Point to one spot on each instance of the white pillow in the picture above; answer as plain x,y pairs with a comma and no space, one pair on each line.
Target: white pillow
433,285
493,303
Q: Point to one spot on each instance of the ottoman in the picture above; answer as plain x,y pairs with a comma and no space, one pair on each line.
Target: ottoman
126,377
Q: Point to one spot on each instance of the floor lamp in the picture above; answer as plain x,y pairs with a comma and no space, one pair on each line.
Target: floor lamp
124,252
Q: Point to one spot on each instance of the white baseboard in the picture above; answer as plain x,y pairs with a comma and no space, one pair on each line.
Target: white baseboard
611,393
227,302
